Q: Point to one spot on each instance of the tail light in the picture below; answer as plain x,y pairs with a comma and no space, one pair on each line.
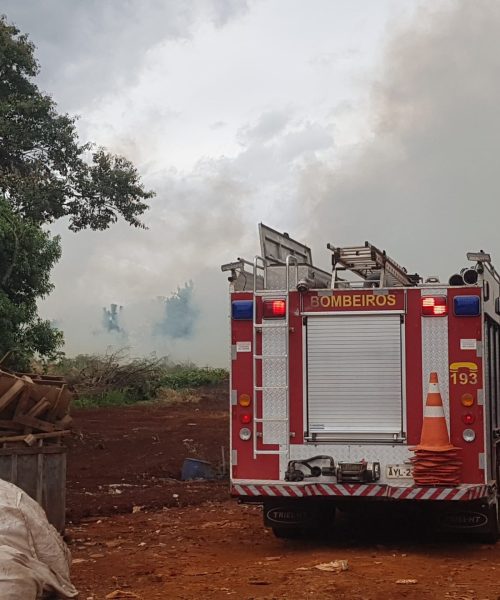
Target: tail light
274,309
245,434
244,400
434,306
469,435
246,419
467,399
468,418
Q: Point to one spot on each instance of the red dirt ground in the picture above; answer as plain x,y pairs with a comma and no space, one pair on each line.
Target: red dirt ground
220,550
200,545
125,457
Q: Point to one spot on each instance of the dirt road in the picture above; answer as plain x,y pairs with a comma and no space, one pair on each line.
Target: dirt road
220,550
187,541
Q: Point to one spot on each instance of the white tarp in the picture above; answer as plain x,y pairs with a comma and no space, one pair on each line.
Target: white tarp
34,560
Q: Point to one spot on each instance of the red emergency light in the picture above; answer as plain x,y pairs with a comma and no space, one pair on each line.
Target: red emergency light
274,309
434,306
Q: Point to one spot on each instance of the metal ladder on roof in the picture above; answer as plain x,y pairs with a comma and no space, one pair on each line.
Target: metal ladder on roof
370,263
271,394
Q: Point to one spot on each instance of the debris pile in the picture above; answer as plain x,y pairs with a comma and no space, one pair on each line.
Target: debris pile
34,409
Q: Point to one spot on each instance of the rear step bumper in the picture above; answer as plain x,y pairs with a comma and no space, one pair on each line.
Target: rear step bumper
256,489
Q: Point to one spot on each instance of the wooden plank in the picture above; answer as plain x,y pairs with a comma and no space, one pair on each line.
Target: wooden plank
27,467
40,407
35,423
65,422
54,489
64,402
37,436
55,406
11,393
6,381
5,467
45,379
30,439
9,424
23,403
14,450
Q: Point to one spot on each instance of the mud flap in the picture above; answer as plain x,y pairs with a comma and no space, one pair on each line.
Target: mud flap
299,515
478,519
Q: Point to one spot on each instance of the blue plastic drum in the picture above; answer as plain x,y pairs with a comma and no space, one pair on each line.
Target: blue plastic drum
196,469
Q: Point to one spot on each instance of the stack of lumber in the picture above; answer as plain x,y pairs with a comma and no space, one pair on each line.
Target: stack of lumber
33,408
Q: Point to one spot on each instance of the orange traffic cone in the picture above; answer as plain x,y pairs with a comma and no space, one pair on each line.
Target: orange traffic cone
436,461
434,436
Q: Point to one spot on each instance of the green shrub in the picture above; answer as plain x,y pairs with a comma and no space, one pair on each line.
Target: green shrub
115,379
110,398
193,377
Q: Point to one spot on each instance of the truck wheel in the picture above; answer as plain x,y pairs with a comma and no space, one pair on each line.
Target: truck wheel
322,528
492,536
319,528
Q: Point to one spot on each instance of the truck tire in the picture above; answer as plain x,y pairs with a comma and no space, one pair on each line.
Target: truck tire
320,528
492,536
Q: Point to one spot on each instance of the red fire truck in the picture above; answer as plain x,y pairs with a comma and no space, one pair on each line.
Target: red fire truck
329,378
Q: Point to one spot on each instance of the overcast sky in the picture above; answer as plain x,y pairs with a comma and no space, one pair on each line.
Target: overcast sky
336,120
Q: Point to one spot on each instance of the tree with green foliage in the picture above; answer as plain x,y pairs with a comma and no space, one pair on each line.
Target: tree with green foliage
46,174
27,255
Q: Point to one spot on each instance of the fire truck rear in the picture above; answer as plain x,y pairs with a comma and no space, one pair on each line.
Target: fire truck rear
363,385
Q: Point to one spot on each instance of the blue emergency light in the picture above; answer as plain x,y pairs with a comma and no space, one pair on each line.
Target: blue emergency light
242,310
467,306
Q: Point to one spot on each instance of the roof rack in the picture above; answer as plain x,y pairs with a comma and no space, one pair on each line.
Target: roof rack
370,264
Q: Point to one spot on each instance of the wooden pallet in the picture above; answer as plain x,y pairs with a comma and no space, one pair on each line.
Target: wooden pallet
33,408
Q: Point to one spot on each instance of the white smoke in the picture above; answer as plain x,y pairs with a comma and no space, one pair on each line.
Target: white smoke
425,183
420,180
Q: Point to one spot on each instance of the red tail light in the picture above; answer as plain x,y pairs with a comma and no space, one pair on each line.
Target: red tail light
468,418
274,309
434,306
245,419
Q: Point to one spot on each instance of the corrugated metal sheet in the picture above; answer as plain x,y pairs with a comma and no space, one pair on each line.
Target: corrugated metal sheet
354,374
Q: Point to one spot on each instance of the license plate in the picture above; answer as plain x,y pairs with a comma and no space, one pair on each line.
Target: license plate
398,472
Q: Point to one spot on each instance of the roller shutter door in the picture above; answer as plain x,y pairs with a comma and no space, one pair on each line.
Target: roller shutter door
354,375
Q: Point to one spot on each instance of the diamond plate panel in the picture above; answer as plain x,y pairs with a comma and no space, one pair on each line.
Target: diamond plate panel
274,374
274,341
274,408
435,354
385,454
434,292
